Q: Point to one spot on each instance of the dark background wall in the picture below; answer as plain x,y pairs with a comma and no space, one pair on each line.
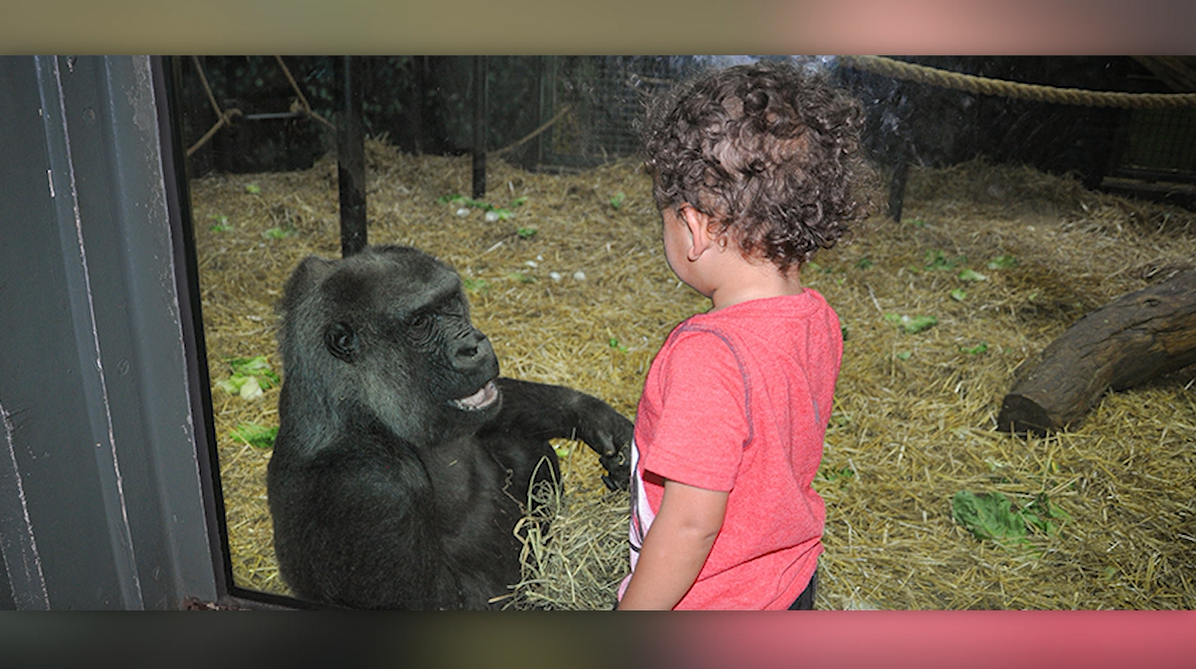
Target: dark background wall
424,104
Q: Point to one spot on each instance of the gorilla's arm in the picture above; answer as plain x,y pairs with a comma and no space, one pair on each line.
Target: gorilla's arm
550,412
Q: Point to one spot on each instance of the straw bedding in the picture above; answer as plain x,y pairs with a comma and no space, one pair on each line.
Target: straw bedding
587,299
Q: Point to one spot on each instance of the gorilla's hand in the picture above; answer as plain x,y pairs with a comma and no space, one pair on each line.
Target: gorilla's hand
557,412
609,434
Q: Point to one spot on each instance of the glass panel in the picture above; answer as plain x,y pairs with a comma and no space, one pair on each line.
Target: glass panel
1008,230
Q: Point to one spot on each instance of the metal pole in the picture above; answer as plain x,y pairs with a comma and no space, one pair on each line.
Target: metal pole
897,185
479,127
350,160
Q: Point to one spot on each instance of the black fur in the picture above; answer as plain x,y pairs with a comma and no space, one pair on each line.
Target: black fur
386,489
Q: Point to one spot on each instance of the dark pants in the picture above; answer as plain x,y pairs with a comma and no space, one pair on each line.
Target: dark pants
805,601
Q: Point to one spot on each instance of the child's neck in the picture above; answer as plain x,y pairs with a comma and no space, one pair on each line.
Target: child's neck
755,281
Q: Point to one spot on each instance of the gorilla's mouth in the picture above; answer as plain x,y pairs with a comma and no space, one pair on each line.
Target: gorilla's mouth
483,398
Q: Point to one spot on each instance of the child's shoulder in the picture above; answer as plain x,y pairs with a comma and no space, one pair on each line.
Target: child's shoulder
775,319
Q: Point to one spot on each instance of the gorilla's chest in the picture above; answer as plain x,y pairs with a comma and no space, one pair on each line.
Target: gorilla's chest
470,488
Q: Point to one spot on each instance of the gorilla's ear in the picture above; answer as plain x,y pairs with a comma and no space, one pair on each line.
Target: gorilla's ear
341,341
304,279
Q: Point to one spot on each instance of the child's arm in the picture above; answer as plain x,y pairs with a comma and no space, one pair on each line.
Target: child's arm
676,546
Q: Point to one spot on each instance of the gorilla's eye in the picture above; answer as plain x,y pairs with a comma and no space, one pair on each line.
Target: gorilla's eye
341,341
419,328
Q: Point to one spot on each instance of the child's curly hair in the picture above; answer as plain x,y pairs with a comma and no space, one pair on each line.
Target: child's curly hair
769,151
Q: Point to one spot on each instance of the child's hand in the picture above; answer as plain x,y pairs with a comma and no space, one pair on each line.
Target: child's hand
676,546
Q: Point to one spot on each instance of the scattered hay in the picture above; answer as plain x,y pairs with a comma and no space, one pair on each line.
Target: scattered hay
569,559
914,416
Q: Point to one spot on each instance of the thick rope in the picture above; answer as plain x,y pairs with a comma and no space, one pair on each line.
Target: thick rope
564,110
985,86
223,117
227,116
302,98
203,79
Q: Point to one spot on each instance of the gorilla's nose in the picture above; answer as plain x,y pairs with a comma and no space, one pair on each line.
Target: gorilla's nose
471,349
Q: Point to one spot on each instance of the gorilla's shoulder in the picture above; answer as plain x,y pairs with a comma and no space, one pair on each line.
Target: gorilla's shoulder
357,467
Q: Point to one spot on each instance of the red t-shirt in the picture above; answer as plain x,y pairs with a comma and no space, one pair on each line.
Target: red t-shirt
738,400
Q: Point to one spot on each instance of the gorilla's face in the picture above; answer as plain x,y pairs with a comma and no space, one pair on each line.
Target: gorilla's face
397,337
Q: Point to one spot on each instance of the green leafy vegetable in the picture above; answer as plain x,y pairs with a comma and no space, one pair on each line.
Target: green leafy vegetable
975,350
616,200
987,515
255,435
1002,262
918,323
253,188
526,233
912,325
473,285
256,366
972,275
842,476
991,516
221,224
959,294
937,260
250,376
496,213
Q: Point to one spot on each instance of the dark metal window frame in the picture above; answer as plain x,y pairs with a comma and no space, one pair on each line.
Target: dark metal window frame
109,488
166,71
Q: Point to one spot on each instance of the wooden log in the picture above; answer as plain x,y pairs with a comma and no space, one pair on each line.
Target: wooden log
1132,339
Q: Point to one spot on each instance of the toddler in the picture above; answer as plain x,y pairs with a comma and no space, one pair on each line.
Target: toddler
755,167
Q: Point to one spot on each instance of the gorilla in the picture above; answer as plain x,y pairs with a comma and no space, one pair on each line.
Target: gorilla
402,458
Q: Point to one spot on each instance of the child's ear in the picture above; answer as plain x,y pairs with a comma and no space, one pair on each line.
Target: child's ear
698,226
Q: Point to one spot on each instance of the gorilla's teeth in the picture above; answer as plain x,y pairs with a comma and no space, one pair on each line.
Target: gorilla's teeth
482,398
